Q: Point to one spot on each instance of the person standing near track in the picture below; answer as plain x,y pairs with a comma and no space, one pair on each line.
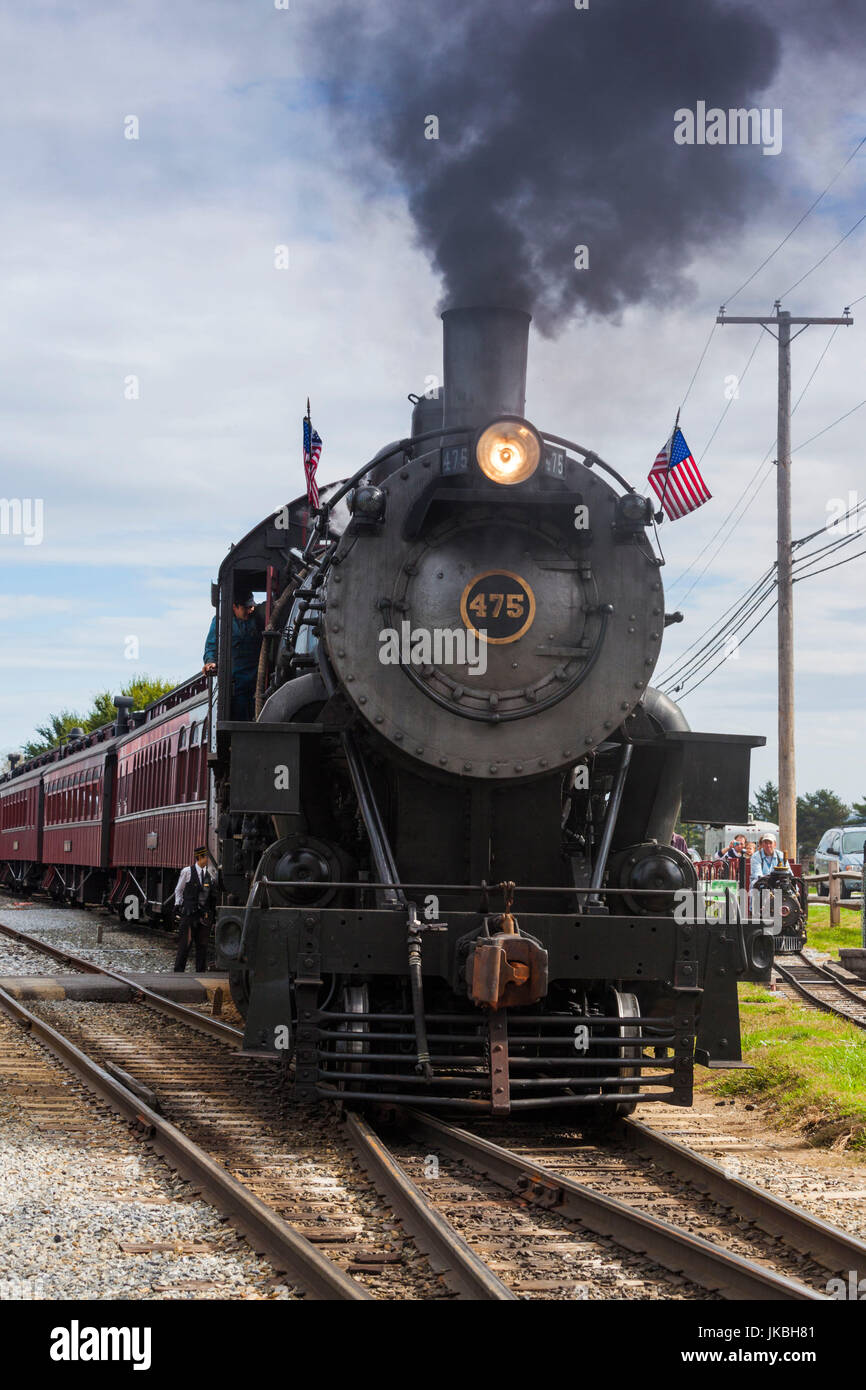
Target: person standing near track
194,895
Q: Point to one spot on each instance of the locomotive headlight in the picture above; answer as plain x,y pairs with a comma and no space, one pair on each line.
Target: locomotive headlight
508,451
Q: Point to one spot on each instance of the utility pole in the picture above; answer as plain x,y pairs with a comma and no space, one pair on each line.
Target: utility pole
782,320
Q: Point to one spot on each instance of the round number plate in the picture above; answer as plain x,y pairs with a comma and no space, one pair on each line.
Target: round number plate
498,605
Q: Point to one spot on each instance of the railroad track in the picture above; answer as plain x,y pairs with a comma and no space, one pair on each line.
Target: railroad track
822,987
529,1226
558,1217
203,1023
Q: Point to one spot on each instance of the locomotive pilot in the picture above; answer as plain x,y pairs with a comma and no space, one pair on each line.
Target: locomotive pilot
247,626
194,895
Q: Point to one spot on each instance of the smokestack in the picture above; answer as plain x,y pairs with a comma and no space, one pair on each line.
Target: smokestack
123,704
485,364
14,760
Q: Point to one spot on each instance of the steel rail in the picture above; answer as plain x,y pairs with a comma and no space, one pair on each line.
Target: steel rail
266,1231
449,1254
181,1012
834,1249
677,1250
830,967
819,1002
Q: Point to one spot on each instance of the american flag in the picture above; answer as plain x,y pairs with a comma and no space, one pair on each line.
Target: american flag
675,479
312,450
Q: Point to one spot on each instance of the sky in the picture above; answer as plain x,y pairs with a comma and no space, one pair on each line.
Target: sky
156,360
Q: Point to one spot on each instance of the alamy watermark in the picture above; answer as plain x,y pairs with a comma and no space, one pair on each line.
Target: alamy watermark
437,646
23,516
736,126
692,906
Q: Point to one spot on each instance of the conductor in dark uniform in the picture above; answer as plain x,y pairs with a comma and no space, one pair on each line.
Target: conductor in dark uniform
194,895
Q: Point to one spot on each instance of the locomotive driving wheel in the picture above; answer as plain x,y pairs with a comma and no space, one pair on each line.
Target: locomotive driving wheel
354,999
626,1006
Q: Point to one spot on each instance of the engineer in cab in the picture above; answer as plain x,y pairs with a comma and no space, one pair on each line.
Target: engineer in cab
248,621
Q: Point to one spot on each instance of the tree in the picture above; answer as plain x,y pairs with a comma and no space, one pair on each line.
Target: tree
766,804
52,733
143,690
858,810
817,812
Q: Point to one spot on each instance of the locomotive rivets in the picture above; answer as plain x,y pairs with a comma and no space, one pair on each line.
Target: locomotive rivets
494,767
404,473
588,739
398,737
337,578
638,685
467,767
624,704
362,699
443,762
335,627
649,661
631,629
656,612
656,587
608,724
425,463
341,652
518,767
378,718
514,665
542,762
566,752
349,679
654,637
419,751
632,617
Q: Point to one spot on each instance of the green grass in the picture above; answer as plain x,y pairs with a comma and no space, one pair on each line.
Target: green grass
809,1070
822,938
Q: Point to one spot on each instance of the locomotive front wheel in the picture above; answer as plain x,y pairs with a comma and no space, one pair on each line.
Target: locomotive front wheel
354,999
626,1006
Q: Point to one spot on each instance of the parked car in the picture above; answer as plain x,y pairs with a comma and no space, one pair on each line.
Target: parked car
843,848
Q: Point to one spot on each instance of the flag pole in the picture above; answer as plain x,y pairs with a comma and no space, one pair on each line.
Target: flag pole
306,479
661,511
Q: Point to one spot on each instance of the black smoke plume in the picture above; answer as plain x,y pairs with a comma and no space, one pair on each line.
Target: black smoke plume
555,130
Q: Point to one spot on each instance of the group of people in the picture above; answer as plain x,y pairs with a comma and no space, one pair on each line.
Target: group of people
763,857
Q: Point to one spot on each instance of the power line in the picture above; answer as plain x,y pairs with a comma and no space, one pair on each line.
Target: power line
670,671
811,574
811,208
825,257
754,595
731,398
678,676
700,364
740,641
745,501
831,426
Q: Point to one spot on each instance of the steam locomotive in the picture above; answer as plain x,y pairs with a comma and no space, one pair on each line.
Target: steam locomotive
445,840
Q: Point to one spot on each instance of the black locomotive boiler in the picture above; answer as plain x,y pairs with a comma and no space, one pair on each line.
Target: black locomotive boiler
446,836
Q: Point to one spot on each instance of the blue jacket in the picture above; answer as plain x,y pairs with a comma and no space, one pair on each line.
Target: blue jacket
246,645
761,864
